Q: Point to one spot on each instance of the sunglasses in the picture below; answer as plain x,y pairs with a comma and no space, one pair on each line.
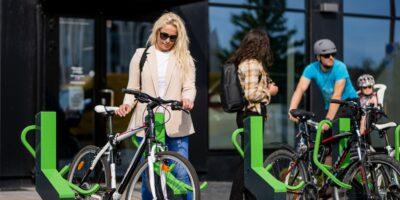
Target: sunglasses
369,87
329,55
165,36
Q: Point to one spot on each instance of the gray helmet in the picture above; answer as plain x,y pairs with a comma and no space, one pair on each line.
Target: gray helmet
365,80
324,46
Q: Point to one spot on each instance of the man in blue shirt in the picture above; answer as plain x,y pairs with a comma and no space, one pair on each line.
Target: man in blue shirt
331,77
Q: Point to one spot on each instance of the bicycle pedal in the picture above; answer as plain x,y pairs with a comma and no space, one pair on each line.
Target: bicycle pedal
107,189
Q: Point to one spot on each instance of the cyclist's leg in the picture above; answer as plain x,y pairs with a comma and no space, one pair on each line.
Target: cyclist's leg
181,146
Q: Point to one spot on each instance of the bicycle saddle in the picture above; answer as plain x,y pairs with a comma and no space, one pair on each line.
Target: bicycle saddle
382,127
302,114
105,109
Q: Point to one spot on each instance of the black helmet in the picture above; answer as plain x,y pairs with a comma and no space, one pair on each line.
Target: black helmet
324,46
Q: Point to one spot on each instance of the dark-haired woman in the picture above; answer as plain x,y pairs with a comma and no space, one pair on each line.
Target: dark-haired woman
252,57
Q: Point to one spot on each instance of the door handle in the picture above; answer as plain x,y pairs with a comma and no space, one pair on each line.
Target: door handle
111,93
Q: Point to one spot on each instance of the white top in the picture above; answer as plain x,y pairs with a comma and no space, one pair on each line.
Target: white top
162,64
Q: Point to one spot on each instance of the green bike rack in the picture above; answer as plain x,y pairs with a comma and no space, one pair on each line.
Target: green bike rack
269,167
235,142
397,143
321,166
257,179
49,182
344,126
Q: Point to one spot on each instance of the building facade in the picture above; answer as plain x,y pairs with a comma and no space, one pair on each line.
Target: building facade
67,56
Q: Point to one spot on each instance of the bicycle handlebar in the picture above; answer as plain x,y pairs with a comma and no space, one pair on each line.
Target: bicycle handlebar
345,102
357,106
145,98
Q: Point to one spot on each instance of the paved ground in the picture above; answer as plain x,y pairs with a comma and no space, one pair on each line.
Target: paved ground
215,191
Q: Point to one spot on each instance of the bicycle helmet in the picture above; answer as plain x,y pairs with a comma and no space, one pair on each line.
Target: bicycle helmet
324,46
365,80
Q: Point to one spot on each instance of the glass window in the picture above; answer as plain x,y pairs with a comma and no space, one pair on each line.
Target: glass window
76,83
123,38
295,4
371,7
397,7
367,49
227,27
298,4
230,1
365,41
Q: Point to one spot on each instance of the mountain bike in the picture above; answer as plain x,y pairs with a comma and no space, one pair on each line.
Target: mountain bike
152,163
356,180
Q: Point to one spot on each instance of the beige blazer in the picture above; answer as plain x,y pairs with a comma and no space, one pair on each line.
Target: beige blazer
180,123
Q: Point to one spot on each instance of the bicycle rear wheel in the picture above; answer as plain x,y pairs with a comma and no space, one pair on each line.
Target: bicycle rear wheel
381,176
80,166
290,170
168,184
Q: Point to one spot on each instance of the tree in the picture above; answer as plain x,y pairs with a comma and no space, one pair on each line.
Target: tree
269,16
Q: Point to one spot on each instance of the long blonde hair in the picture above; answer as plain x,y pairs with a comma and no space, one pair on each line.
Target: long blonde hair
181,46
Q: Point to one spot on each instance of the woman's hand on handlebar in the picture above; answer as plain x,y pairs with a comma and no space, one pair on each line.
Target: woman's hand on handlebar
187,104
123,110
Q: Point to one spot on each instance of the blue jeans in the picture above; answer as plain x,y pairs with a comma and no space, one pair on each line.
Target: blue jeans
181,146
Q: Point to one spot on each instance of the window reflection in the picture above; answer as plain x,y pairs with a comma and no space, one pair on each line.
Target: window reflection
227,27
298,4
123,38
76,83
368,50
371,7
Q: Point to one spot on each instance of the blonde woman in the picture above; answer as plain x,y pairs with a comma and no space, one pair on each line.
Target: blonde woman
168,73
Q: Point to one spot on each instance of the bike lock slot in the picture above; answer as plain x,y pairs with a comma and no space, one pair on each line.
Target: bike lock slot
319,164
397,143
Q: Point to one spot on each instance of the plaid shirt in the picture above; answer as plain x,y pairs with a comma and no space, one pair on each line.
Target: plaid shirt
254,81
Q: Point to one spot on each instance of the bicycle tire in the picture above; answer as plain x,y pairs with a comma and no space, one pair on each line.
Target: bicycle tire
133,187
387,167
283,154
79,168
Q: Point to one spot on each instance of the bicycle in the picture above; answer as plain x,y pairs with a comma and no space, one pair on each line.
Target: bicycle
356,179
92,165
373,114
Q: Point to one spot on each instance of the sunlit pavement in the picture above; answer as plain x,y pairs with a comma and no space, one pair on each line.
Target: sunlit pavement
215,191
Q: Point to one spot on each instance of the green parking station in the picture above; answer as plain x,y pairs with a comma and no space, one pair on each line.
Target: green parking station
257,178
50,183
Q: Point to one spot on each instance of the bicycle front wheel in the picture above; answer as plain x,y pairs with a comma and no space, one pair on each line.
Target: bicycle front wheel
81,175
287,168
174,178
379,176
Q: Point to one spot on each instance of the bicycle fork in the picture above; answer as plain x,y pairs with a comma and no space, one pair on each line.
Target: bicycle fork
151,159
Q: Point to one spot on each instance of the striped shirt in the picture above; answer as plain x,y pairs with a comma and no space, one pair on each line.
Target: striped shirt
254,81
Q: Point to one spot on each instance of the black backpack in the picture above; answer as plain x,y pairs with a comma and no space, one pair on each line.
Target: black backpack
232,95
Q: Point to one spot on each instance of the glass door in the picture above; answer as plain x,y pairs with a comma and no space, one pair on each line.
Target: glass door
87,78
123,38
76,83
